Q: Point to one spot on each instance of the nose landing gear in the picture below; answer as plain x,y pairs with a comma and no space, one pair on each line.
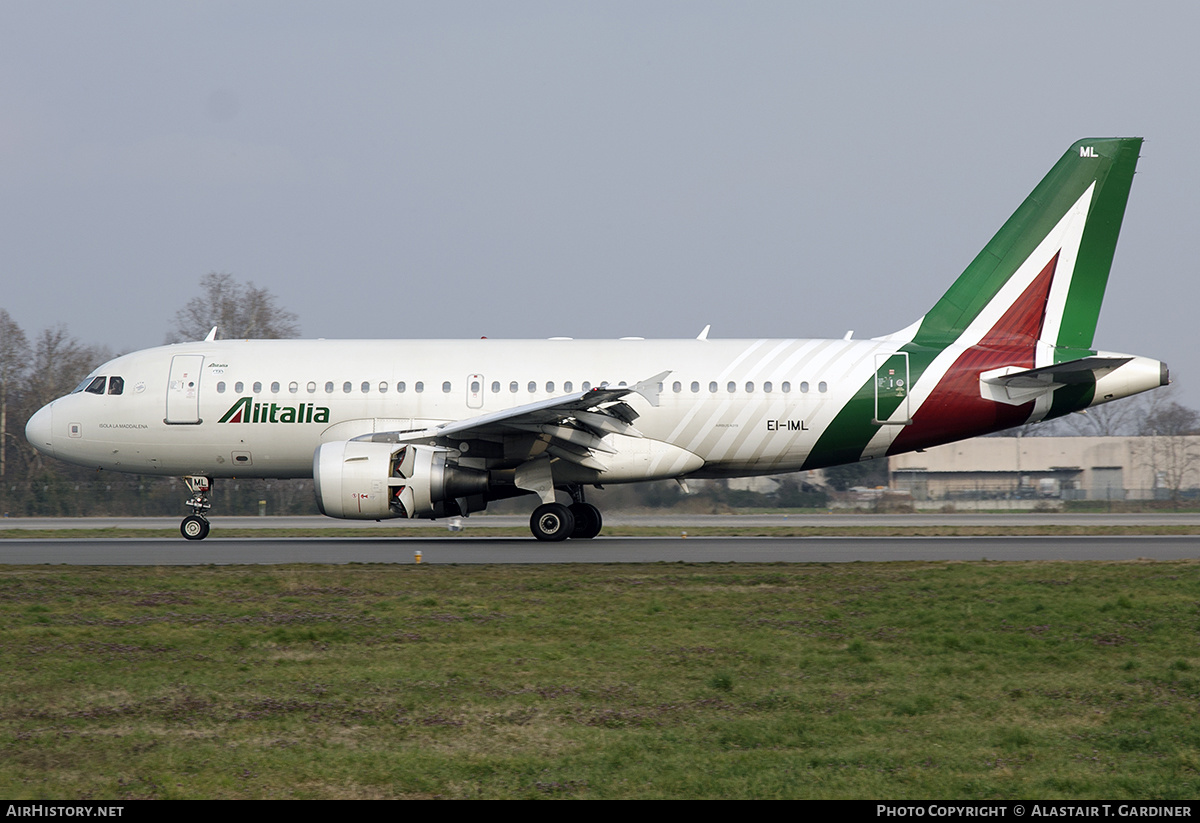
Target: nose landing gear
195,525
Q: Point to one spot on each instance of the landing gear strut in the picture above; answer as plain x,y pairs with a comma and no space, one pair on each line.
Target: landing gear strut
195,525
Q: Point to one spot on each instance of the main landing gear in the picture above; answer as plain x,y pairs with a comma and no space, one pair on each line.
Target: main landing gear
554,521
195,525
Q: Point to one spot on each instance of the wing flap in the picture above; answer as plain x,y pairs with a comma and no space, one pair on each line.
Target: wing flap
572,425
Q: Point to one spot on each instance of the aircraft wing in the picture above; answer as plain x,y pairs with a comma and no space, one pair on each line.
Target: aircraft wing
573,424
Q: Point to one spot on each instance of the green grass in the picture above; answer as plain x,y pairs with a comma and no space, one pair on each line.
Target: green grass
897,680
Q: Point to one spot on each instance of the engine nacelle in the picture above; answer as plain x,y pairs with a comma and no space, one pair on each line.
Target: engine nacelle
372,481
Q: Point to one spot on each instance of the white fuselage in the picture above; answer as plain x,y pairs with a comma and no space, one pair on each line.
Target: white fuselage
736,406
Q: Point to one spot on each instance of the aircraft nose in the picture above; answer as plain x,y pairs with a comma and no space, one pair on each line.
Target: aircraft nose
39,431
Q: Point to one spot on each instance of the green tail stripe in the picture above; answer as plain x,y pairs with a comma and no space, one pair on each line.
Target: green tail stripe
1110,163
1099,243
847,435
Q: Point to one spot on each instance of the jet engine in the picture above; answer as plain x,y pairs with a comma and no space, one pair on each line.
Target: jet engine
372,481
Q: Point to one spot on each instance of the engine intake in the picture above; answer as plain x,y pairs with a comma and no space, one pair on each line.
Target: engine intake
372,481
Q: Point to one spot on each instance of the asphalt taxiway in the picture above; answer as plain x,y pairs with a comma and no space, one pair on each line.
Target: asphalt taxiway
470,550
483,522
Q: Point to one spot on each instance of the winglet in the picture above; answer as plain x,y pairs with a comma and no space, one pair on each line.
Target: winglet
649,388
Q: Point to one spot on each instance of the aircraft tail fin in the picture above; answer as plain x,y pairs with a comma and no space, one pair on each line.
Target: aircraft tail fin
1042,277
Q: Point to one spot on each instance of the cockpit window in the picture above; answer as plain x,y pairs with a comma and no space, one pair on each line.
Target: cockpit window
97,385
116,385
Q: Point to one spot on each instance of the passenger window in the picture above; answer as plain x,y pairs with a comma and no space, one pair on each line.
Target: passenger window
712,387
116,385
785,386
97,385
275,387
239,387
804,387
495,387
532,386
475,387
587,386
749,387
220,387
695,386
513,387
419,387
568,386
293,387
822,387
312,387
365,387
731,387
446,387
329,387
257,387
677,387
549,387
383,387
347,387
767,387
400,387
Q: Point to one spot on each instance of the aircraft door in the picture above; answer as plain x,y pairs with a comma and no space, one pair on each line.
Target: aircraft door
183,390
475,391
891,389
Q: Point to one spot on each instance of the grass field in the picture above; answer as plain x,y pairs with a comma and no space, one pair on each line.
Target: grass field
896,680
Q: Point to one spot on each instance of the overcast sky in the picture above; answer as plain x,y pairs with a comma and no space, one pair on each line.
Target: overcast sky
524,169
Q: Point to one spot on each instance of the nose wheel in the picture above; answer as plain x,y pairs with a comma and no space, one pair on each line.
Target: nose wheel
195,525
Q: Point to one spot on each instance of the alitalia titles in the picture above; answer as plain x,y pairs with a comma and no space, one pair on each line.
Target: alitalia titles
246,410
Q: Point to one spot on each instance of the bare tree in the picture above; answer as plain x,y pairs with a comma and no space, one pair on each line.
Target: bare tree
237,310
1115,419
14,363
59,363
1170,419
1171,449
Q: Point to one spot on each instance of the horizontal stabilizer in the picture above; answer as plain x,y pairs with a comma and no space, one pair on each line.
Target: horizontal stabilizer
1014,386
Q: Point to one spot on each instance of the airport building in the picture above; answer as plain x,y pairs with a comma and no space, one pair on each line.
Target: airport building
1050,468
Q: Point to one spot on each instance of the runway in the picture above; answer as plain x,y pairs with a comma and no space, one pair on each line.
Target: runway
475,550
482,522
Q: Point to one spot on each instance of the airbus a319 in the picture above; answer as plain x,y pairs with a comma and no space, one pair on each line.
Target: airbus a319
431,429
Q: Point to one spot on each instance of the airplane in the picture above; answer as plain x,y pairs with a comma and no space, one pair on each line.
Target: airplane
433,429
